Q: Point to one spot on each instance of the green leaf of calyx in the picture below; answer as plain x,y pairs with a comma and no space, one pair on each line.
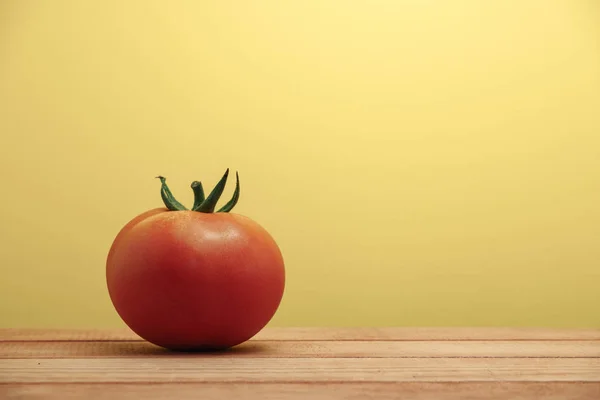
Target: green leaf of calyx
165,193
209,204
236,195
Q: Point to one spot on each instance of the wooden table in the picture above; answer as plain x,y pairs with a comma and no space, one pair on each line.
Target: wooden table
307,363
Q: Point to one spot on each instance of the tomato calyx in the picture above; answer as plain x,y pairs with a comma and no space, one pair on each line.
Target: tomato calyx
201,203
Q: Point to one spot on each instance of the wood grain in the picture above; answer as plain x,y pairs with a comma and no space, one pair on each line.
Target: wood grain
153,369
316,349
310,391
320,333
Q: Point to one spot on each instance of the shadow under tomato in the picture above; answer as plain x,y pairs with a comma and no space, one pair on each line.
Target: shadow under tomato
142,348
244,348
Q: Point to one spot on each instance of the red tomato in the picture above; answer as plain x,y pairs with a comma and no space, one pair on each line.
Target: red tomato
195,279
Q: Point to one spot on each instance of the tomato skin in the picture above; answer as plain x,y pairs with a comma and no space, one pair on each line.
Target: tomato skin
187,280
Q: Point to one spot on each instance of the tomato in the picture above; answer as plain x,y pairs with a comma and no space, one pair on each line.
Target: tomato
195,279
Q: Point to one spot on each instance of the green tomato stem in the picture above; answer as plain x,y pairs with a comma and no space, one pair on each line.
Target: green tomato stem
202,203
198,194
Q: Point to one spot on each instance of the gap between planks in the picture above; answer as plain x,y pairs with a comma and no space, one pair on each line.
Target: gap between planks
316,349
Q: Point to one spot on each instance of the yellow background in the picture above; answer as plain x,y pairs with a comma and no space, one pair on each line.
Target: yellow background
419,162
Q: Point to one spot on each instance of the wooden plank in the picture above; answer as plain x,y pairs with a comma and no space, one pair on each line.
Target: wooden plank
297,370
300,391
318,349
324,333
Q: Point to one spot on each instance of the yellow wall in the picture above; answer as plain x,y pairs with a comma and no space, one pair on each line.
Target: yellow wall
421,162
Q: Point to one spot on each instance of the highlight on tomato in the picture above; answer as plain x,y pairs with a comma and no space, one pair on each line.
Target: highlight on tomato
195,279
